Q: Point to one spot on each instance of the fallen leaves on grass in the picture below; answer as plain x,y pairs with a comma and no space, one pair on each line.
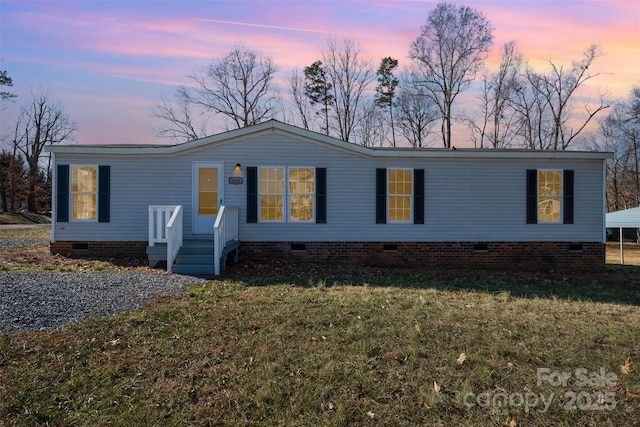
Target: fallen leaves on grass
436,387
626,368
460,360
39,258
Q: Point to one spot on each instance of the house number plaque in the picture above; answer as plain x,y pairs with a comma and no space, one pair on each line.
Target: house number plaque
235,180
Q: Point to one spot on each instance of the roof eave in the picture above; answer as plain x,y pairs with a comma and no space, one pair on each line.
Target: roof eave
310,136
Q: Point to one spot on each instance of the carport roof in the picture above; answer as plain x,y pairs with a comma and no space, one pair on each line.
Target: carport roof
628,218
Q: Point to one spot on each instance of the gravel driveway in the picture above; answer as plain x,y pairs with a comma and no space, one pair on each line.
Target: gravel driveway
21,243
42,301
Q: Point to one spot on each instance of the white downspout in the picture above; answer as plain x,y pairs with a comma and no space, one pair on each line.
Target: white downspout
604,202
621,247
54,200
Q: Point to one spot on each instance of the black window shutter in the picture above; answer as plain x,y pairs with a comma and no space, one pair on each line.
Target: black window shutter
104,193
381,196
568,196
418,196
532,196
62,196
252,194
321,195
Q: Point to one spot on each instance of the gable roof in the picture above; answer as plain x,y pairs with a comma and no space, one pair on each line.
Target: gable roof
274,126
628,218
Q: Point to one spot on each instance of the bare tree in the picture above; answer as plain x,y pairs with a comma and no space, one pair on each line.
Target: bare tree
415,111
533,118
450,51
350,76
546,104
498,125
178,118
620,134
301,106
370,131
236,86
41,122
635,104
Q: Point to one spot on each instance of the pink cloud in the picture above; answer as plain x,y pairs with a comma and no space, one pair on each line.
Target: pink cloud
164,42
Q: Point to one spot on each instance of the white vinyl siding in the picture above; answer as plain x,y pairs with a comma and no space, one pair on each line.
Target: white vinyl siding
466,198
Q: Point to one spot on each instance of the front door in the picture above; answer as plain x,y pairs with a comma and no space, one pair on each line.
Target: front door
207,195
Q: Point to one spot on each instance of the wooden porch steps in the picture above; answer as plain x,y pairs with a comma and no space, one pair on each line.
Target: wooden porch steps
195,256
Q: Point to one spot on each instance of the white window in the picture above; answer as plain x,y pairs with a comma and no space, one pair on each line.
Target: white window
84,193
549,195
293,202
301,194
271,194
399,195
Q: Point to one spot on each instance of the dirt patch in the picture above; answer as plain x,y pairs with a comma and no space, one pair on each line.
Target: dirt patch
38,258
631,253
310,274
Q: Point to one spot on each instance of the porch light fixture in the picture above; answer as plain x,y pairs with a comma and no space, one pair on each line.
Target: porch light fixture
236,176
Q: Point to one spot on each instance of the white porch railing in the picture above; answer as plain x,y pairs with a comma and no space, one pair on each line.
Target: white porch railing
225,229
165,226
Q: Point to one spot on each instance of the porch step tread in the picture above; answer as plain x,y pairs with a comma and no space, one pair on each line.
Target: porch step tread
192,243
193,269
196,250
194,259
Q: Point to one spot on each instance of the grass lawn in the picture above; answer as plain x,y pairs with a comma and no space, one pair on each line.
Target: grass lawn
354,347
23,218
320,353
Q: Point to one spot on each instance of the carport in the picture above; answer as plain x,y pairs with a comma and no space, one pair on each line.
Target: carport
628,218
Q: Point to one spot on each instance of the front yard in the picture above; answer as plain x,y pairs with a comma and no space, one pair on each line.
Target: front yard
274,345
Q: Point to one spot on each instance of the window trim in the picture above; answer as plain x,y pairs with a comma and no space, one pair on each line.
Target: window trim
411,196
560,196
313,196
284,201
286,217
72,218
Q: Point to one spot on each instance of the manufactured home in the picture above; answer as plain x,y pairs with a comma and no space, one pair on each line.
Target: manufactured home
277,191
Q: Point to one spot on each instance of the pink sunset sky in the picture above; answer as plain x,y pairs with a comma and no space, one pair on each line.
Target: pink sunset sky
108,62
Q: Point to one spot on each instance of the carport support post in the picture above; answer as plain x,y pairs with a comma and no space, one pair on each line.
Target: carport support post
621,248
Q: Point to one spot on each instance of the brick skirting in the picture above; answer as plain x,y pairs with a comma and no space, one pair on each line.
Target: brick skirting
100,249
499,255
